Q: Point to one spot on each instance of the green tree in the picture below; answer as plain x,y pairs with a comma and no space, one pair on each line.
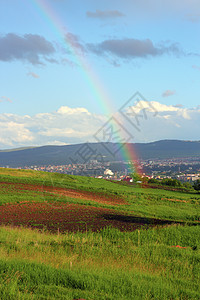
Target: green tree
197,185
145,179
153,180
188,185
135,176
171,182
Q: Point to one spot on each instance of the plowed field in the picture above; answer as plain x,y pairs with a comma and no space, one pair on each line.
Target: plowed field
62,217
69,217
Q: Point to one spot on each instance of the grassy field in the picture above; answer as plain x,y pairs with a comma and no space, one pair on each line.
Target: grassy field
142,243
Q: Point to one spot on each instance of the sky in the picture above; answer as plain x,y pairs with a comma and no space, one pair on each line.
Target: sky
69,69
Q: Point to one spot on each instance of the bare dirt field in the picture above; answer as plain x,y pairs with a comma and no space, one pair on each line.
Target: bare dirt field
70,217
62,217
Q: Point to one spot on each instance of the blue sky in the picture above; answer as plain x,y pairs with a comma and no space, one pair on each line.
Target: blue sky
47,95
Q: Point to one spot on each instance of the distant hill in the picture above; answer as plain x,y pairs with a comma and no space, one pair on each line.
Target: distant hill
60,155
168,149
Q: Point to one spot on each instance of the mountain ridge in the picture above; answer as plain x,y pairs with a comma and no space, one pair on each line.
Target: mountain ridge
75,153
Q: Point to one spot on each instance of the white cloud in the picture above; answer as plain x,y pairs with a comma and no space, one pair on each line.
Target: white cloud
61,132
169,122
56,143
66,125
77,125
69,111
151,106
185,113
13,133
163,110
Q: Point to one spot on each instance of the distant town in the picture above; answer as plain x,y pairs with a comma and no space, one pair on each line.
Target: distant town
183,169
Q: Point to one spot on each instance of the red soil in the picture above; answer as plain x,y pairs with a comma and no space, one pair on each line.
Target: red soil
70,217
62,217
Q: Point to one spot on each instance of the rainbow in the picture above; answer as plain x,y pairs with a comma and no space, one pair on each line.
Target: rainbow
102,97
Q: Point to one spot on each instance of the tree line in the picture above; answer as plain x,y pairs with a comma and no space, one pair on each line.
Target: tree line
175,183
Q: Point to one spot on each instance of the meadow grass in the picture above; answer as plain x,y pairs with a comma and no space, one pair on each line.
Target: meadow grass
143,202
143,264
106,265
79,182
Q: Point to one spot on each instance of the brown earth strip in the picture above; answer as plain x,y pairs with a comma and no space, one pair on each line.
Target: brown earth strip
70,217
68,193
174,200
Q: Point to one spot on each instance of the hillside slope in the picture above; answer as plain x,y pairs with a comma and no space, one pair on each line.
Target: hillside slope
60,155
72,237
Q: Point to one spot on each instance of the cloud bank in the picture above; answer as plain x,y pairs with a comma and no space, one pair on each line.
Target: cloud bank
66,125
36,50
77,125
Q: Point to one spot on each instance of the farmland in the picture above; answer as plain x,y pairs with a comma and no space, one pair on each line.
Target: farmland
69,237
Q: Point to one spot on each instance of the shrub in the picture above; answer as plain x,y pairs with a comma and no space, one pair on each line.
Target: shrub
197,185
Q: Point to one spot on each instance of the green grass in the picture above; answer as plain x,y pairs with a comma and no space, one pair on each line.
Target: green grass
105,265
8,194
143,264
143,202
